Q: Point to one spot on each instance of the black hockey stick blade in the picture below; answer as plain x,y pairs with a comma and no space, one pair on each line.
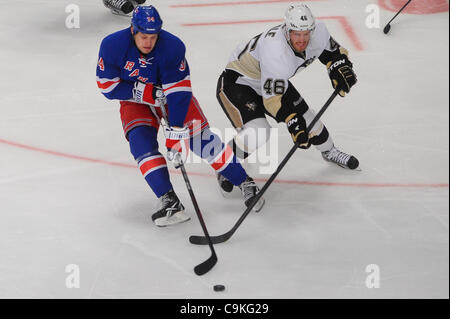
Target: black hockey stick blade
206,266
387,28
202,240
205,240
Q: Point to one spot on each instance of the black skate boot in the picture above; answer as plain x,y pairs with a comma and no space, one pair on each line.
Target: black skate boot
249,190
340,158
120,7
224,183
171,211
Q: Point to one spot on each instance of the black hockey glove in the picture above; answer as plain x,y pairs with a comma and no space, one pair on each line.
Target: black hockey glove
296,125
341,74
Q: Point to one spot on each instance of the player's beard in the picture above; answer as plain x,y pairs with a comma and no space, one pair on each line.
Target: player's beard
300,46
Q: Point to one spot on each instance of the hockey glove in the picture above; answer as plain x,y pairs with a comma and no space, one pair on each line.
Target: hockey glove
177,143
296,125
341,74
147,93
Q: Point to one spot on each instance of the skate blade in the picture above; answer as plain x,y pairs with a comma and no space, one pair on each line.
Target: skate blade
259,205
331,163
177,218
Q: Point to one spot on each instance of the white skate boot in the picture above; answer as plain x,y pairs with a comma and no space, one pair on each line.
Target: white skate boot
340,158
249,190
171,211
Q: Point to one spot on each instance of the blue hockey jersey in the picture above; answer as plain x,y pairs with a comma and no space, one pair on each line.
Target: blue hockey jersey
121,64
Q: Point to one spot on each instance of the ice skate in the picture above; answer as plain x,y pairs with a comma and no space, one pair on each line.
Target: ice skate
249,190
171,211
340,158
138,2
119,7
224,184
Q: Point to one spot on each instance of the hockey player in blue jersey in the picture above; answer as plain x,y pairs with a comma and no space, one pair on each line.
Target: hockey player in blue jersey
145,68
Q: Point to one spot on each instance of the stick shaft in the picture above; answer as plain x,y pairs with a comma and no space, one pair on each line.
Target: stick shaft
199,240
400,11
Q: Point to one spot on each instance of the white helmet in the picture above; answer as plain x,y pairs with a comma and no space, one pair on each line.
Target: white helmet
298,17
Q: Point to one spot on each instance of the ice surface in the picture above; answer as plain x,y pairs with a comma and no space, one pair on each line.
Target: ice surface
64,201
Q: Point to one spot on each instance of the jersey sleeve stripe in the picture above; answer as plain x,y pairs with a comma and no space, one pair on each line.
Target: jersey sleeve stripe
107,80
181,86
177,89
169,85
107,85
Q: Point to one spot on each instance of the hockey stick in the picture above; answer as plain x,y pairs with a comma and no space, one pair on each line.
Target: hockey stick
388,26
205,266
208,264
201,240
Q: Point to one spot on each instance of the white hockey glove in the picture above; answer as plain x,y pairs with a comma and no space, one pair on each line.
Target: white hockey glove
177,144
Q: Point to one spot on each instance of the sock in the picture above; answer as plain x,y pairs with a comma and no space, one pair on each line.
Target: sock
153,166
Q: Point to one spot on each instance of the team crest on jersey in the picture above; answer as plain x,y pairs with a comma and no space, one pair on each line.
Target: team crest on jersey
251,106
182,66
143,62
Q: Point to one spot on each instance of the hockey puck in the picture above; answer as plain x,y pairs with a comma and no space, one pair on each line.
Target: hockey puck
219,287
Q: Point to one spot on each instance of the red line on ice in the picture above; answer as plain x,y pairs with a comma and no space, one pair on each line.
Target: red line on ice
279,181
348,29
343,21
60,154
